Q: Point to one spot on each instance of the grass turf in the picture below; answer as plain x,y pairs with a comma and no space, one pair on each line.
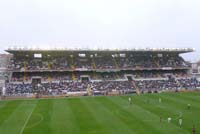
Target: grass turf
102,115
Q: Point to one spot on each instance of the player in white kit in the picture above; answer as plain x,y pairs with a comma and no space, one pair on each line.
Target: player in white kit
129,100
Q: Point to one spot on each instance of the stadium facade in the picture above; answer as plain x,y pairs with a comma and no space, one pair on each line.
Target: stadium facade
4,61
97,72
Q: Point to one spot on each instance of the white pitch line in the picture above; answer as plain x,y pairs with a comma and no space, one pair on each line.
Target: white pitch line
22,129
41,119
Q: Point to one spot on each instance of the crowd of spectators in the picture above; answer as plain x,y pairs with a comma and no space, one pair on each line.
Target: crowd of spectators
112,86
189,83
83,63
150,85
102,62
54,88
172,61
64,76
18,89
149,74
68,76
44,76
105,62
169,84
71,74
39,64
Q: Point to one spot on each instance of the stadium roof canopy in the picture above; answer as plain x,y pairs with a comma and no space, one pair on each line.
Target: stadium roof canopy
176,50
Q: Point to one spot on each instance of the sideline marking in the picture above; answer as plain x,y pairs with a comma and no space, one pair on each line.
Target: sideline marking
36,123
180,115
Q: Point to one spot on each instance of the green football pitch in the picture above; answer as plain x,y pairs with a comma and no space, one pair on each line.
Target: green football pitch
102,115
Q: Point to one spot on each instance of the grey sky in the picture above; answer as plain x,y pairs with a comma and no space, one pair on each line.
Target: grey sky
101,24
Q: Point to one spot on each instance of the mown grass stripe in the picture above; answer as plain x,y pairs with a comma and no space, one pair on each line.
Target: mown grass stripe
2,104
62,119
44,108
89,124
17,118
148,109
184,99
181,100
107,115
8,109
172,107
128,118
106,118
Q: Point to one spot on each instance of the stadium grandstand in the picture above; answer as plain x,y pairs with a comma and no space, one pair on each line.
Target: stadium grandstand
4,60
97,72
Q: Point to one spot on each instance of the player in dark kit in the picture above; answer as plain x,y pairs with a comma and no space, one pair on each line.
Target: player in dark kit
193,130
160,119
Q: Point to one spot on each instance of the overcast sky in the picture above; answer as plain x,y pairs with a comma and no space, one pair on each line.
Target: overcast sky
101,24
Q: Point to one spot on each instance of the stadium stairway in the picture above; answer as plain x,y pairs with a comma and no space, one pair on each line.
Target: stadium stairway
158,75
117,76
116,64
72,64
178,83
73,67
95,75
25,66
49,65
24,71
156,62
89,91
135,86
49,78
73,76
10,75
137,67
94,64
24,76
